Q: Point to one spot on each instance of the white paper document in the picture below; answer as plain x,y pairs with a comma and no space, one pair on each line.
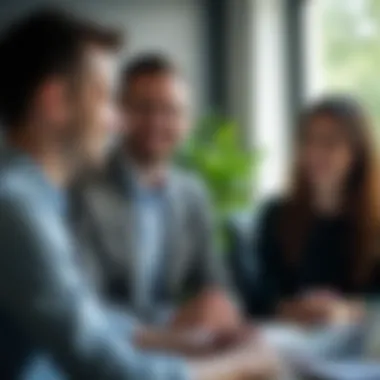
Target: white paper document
320,353
340,370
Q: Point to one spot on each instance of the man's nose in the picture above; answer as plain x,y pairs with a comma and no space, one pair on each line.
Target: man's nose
113,119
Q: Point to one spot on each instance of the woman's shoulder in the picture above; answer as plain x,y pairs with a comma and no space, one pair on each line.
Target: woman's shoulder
268,214
271,208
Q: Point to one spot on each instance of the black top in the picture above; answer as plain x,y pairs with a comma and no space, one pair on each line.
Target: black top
325,261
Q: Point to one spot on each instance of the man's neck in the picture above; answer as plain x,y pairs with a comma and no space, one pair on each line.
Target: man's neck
51,160
152,175
149,172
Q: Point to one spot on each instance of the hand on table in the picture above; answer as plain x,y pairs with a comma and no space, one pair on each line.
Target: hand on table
321,307
259,361
251,359
211,310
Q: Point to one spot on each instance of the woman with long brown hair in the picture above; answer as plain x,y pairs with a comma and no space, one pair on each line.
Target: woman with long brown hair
318,246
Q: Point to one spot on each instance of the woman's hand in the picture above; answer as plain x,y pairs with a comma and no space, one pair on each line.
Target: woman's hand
321,307
346,312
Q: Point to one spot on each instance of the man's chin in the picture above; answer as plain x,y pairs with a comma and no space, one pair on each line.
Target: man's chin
95,161
88,163
156,155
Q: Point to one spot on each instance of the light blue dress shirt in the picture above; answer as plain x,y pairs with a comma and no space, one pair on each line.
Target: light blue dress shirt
150,244
45,302
150,208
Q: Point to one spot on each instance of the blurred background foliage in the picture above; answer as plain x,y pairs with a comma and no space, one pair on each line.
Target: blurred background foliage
214,151
351,50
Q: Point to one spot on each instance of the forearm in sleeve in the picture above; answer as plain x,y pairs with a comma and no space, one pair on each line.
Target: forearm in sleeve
42,291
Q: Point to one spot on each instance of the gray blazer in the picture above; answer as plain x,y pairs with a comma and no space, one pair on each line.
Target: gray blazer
105,222
46,306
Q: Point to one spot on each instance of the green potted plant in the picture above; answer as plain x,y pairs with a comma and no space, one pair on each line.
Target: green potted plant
215,153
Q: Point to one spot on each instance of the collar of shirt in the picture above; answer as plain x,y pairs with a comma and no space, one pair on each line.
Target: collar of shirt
53,194
133,178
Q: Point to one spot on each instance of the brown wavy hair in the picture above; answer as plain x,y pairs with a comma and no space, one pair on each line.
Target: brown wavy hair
361,206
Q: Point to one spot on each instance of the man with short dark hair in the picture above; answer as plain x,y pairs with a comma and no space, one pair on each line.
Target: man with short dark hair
147,223
56,107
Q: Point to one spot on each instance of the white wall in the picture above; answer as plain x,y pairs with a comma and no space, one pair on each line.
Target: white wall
175,27
258,85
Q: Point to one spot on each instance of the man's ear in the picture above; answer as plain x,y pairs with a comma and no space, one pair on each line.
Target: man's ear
52,101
